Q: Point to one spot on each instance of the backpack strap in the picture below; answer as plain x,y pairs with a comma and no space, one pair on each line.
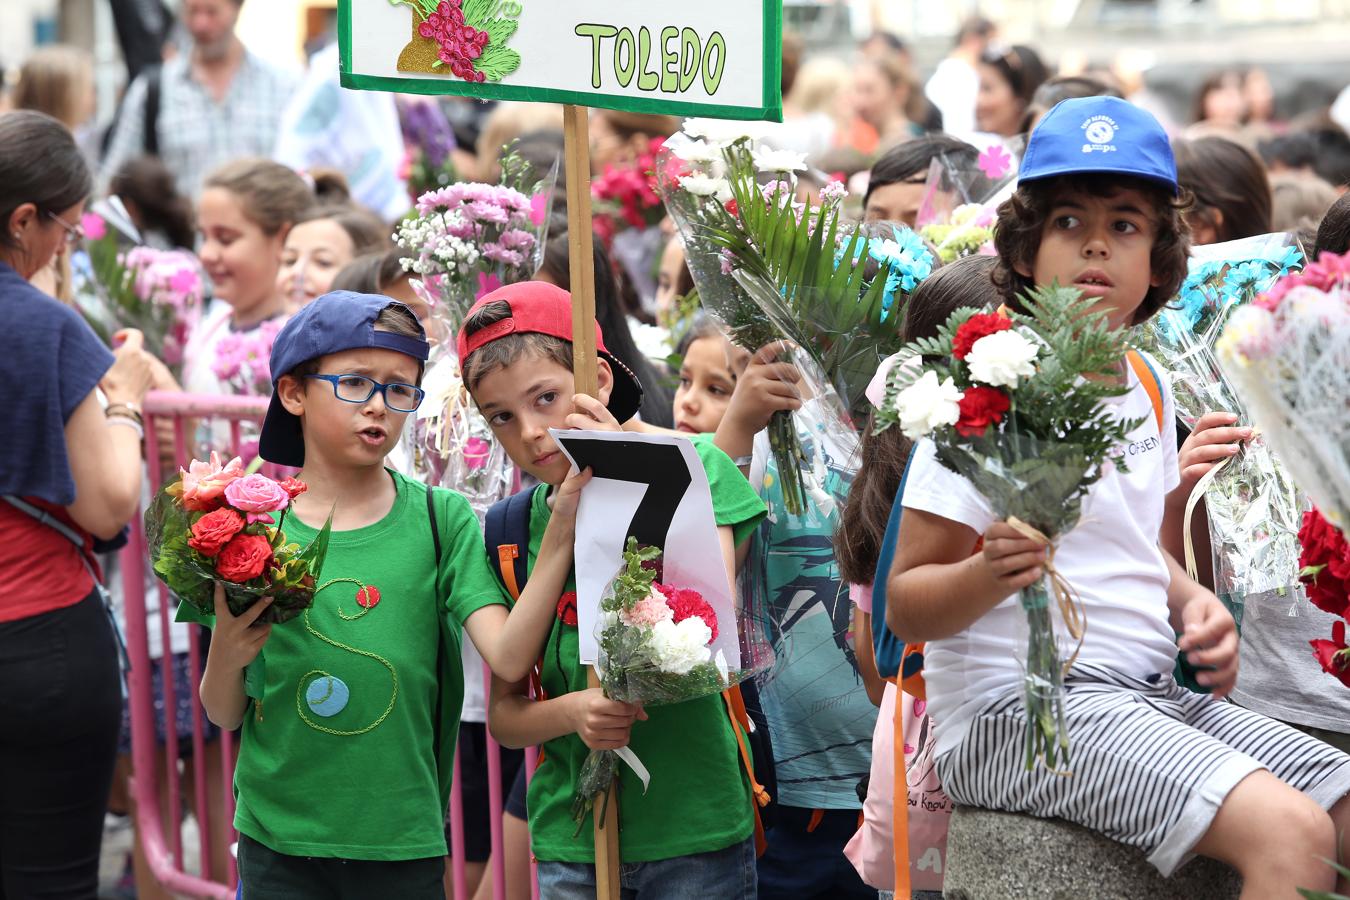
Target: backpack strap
900,801
506,531
740,726
1143,370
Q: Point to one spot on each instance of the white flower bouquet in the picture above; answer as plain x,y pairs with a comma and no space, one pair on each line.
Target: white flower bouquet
1017,405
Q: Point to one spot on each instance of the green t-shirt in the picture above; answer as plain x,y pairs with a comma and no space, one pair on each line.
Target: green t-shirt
699,799
337,758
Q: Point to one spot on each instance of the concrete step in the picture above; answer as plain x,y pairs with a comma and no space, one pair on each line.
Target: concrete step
1003,856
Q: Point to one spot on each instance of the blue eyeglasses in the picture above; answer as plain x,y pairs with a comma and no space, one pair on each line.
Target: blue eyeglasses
397,396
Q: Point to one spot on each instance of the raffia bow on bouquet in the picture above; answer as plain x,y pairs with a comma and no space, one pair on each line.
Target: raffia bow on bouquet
467,240
1017,405
772,267
1253,505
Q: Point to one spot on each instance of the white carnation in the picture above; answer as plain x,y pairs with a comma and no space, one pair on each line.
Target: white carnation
679,647
1001,359
705,186
768,160
927,405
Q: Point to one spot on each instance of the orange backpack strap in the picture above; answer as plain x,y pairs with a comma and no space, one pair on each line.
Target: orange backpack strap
740,726
507,554
900,803
1149,379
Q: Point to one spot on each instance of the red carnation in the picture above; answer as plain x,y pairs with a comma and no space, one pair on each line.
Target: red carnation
685,603
981,407
1326,564
976,327
1328,653
213,530
567,608
732,207
293,486
244,558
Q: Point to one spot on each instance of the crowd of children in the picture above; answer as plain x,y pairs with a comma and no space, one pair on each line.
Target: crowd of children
344,791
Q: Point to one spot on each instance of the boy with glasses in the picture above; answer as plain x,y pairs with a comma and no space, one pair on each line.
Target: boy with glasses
350,711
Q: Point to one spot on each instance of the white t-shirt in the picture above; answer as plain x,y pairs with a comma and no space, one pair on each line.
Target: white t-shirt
953,89
1112,558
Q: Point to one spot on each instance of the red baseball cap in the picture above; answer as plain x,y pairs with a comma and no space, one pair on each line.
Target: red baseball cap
538,307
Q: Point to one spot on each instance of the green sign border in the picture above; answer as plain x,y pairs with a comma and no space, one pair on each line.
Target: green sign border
771,109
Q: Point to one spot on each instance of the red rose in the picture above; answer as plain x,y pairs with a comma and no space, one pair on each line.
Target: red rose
213,530
980,408
567,608
976,327
293,486
244,558
1328,653
686,603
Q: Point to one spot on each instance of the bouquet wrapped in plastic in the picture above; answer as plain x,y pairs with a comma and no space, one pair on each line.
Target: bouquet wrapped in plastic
1288,355
772,267
159,292
961,199
656,647
214,524
1018,406
1252,502
467,240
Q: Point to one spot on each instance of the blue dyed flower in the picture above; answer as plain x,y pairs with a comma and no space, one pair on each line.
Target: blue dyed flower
1246,276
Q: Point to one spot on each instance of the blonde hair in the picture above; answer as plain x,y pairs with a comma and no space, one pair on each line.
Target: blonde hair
819,84
54,80
273,197
508,122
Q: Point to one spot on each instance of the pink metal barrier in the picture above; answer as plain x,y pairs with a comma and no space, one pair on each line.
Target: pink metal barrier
161,837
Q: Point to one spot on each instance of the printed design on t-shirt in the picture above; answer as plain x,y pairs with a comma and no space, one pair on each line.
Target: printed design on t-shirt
325,694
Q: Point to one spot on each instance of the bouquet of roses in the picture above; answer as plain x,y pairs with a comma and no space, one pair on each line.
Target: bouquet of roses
1253,505
797,273
1326,575
159,292
214,524
655,648
1287,355
1018,406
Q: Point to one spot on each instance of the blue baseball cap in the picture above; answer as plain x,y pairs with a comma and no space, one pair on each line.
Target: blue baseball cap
1099,134
337,321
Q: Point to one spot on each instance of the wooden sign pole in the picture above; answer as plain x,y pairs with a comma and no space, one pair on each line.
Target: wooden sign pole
577,145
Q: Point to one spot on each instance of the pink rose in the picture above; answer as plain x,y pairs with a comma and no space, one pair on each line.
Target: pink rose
203,483
257,495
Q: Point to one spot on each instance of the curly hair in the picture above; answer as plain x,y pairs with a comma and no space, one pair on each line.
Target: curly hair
1022,219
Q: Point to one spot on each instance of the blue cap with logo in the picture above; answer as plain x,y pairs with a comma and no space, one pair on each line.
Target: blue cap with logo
337,321
1099,135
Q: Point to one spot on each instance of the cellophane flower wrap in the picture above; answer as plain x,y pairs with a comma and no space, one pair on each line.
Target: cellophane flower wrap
1018,405
216,523
467,240
1253,504
772,267
655,647
1288,355
961,199
159,292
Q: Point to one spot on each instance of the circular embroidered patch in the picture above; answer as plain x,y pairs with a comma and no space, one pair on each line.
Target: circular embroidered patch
368,596
327,695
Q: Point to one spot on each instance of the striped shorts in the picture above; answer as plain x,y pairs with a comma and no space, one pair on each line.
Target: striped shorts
1151,763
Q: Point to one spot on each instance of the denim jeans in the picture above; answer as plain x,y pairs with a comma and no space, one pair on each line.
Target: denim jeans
806,863
265,874
722,874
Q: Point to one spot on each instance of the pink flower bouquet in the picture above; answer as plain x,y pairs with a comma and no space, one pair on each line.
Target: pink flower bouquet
215,524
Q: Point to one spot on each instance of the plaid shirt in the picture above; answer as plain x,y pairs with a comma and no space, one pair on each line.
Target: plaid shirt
196,133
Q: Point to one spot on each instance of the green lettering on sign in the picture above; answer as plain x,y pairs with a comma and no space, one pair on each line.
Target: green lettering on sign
625,45
670,60
596,33
691,51
712,75
647,79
